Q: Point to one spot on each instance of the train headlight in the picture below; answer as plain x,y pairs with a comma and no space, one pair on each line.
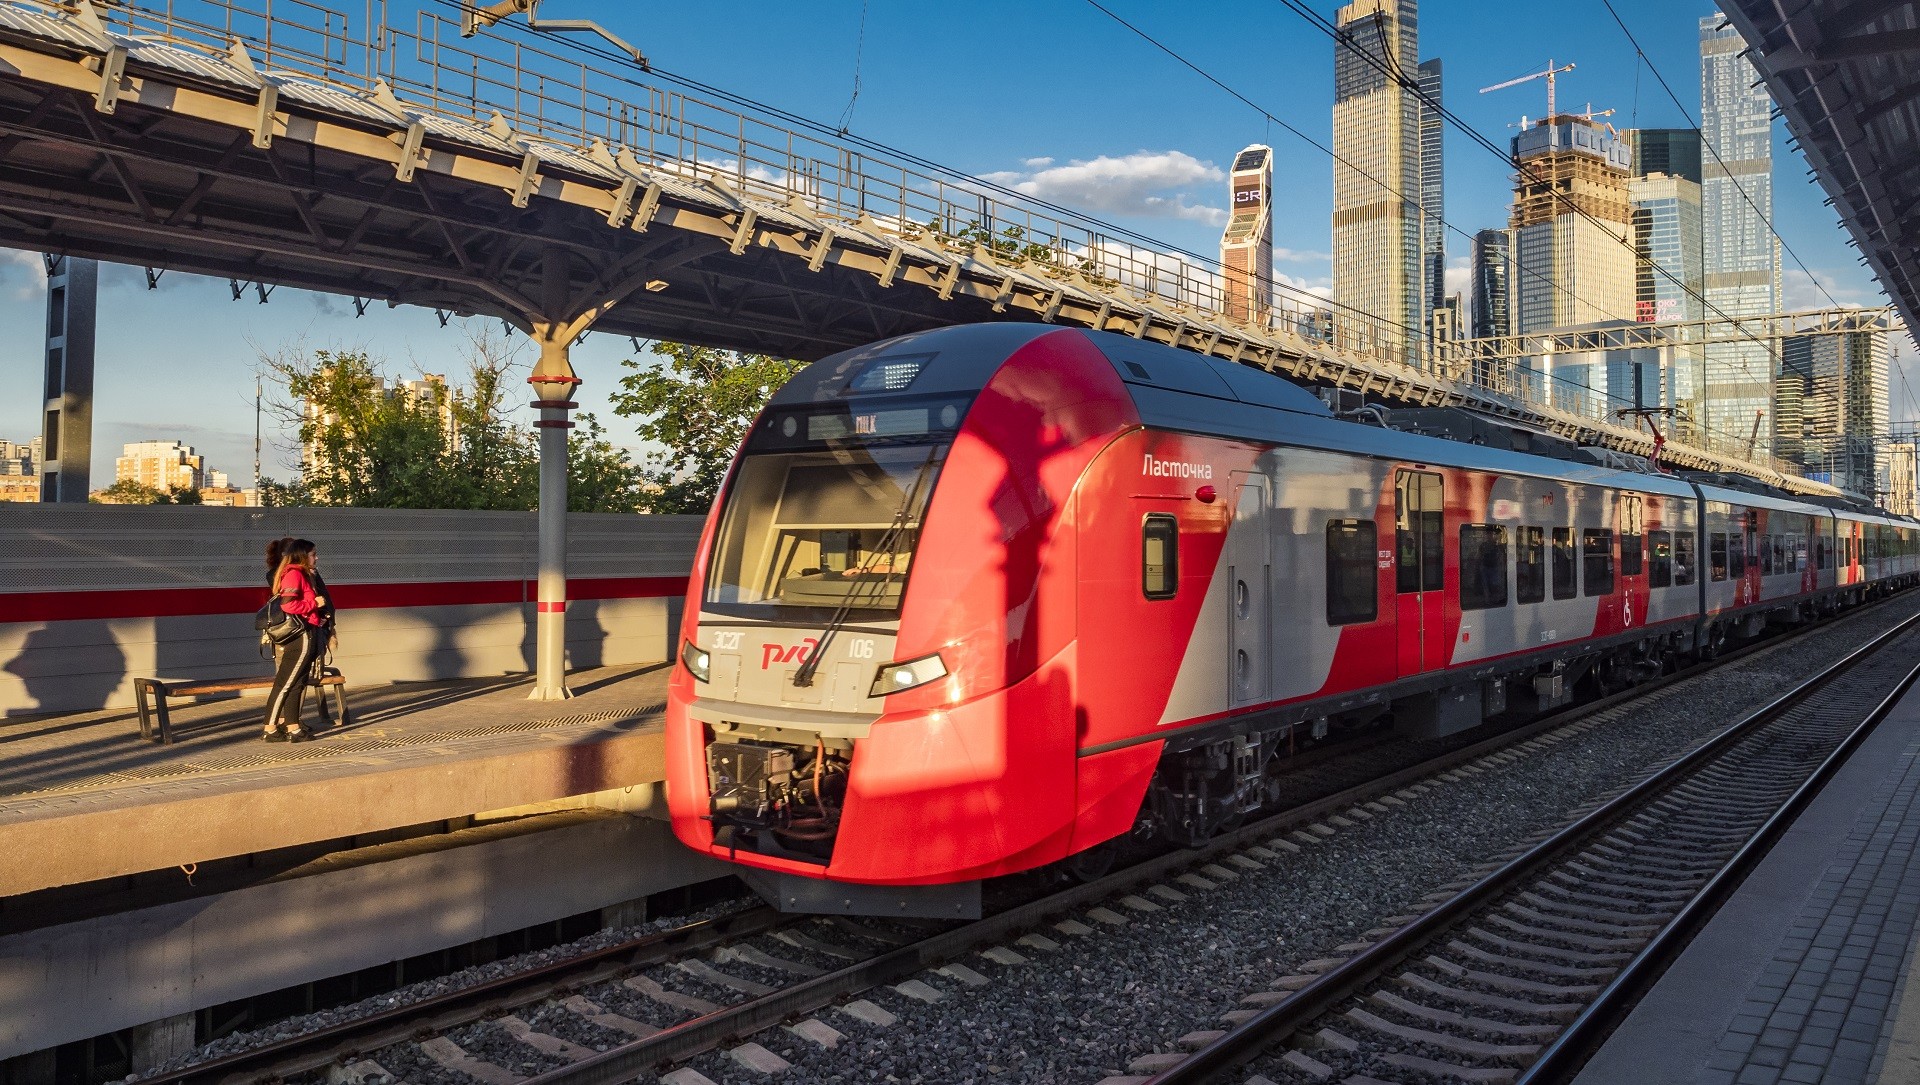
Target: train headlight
698,660
895,677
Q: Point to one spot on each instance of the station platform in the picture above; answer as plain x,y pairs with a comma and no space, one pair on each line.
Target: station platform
1808,974
84,798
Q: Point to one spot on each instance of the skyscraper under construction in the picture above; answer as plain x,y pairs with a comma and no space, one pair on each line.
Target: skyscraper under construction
1571,223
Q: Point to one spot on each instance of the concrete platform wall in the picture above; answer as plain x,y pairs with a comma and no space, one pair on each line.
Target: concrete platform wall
94,596
82,979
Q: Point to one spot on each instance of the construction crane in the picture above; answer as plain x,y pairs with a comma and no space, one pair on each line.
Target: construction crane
1547,75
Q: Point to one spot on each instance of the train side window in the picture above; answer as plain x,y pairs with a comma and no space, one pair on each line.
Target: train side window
1530,565
1736,554
1684,563
1353,579
1717,555
1597,548
1483,566
1779,555
1660,572
1820,554
1565,577
1766,555
1160,557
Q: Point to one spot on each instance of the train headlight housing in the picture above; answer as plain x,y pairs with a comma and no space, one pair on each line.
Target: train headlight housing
699,662
897,677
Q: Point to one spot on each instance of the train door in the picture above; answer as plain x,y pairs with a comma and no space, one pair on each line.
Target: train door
1250,576
1419,511
1633,564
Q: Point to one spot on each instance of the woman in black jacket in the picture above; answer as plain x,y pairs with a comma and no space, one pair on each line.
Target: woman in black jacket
297,664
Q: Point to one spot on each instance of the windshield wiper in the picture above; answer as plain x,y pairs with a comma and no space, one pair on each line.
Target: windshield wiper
803,675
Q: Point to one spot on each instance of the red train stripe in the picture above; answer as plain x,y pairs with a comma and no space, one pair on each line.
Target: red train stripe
67,606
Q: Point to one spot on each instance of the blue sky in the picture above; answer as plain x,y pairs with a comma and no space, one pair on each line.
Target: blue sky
1055,98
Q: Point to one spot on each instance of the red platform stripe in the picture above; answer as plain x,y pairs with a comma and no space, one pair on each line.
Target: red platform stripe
68,606
551,608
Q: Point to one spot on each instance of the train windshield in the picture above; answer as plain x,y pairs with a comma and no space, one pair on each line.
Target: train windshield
807,535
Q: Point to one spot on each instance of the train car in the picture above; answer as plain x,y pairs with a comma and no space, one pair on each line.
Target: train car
985,598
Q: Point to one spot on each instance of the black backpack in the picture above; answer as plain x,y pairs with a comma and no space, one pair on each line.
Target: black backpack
276,625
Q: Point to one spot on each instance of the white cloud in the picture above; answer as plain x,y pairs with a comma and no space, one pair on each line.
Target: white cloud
23,274
1802,291
1290,291
1144,183
1459,276
1300,256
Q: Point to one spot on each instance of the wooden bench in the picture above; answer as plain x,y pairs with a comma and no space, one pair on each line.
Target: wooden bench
150,696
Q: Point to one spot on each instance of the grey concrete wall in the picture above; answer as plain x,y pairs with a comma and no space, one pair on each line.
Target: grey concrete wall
123,583
82,979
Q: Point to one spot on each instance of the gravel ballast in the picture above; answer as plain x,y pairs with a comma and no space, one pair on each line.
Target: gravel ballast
412,993
1086,1010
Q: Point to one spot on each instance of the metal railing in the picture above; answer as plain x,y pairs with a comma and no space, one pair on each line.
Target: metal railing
573,97
570,97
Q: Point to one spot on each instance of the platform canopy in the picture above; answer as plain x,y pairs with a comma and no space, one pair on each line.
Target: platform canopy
1846,74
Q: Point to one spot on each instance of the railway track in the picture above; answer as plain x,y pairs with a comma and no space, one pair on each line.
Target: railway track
1515,978
617,1013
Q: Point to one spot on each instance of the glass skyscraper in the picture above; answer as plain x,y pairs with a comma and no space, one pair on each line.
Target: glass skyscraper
1492,284
1433,232
1831,403
1667,282
1672,151
1742,257
1376,173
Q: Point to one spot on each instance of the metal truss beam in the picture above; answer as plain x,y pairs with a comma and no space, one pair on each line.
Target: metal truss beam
204,168
1770,330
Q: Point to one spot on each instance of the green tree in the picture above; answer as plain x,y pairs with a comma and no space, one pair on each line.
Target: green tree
601,477
372,443
186,495
274,495
128,491
696,403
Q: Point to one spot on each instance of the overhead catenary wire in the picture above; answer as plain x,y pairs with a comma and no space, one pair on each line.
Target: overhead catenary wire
859,51
1410,84
1661,78
1406,200
1152,245
960,177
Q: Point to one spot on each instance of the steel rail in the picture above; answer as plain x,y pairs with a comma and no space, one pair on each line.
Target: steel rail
363,1035
315,1050
1583,1037
1319,997
684,1041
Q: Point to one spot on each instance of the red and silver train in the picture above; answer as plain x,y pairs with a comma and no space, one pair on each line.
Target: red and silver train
980,599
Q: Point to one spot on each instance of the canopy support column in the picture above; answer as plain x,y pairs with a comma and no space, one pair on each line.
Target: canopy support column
553,383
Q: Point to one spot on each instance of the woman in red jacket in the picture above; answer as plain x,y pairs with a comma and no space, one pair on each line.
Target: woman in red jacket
293,582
